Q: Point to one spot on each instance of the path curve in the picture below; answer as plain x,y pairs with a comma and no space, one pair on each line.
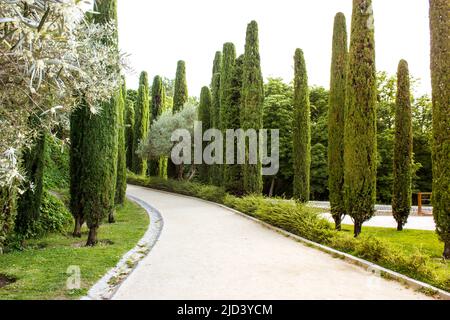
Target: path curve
208,252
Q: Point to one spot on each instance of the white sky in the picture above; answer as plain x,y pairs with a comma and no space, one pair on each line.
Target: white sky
157,34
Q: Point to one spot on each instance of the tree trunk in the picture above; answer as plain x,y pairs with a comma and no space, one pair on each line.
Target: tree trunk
180,172
447,250
358,228
272,187
338,223
111,218
400,226
77,230
92,238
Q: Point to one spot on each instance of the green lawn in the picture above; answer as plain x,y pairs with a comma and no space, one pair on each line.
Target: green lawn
408,241
41,269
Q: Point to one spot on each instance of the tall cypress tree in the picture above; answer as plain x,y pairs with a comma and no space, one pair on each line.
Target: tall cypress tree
141,123
302,129
440,78
29,203
336,120
252,104
360,151
94,146
129,131
121,183
204,115
180,97
401,198
157,106
216,169
230,89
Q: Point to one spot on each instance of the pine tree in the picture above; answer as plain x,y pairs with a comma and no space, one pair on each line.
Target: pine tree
129,131
157,104
204,115
360,149
216,169
141,123
180,95
29,203
401,198
94,147
302,130
121,183
252,104
336,120
440,78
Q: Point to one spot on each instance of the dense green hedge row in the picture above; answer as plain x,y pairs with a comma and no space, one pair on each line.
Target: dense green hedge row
306,222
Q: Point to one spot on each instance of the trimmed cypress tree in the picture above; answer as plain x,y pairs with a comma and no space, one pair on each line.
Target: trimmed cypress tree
141,123
336,120
360,151
29,203
233,174
440,78
217,65
216,170
230,89
401,198
157,106
252,105
302,129
180,95
129,131
204,115
94,153
121,183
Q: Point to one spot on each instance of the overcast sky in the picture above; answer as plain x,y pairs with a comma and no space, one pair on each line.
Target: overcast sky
156,34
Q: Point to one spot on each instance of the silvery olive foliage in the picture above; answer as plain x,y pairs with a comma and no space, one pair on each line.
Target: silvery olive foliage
158,142
51,56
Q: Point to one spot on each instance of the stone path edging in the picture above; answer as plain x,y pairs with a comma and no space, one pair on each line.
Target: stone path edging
107,286
369,266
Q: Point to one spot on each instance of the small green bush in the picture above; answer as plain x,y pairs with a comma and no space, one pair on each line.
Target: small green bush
55,217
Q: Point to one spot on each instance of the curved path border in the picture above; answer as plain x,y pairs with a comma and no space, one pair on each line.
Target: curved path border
108,285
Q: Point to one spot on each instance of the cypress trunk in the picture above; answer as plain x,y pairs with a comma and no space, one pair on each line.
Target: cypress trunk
440,78
302,130
252,106
129,132
401,198
360,151
336,120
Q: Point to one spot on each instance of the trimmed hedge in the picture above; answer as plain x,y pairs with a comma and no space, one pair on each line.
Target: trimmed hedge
305,222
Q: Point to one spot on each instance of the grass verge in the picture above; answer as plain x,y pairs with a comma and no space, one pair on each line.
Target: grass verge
40,270
414,253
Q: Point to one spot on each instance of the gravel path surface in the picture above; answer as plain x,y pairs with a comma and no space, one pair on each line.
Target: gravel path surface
208,252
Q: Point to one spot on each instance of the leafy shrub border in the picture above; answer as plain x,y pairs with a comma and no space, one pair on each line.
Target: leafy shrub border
366,251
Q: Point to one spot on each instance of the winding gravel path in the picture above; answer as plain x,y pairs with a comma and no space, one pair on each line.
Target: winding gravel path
208,252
